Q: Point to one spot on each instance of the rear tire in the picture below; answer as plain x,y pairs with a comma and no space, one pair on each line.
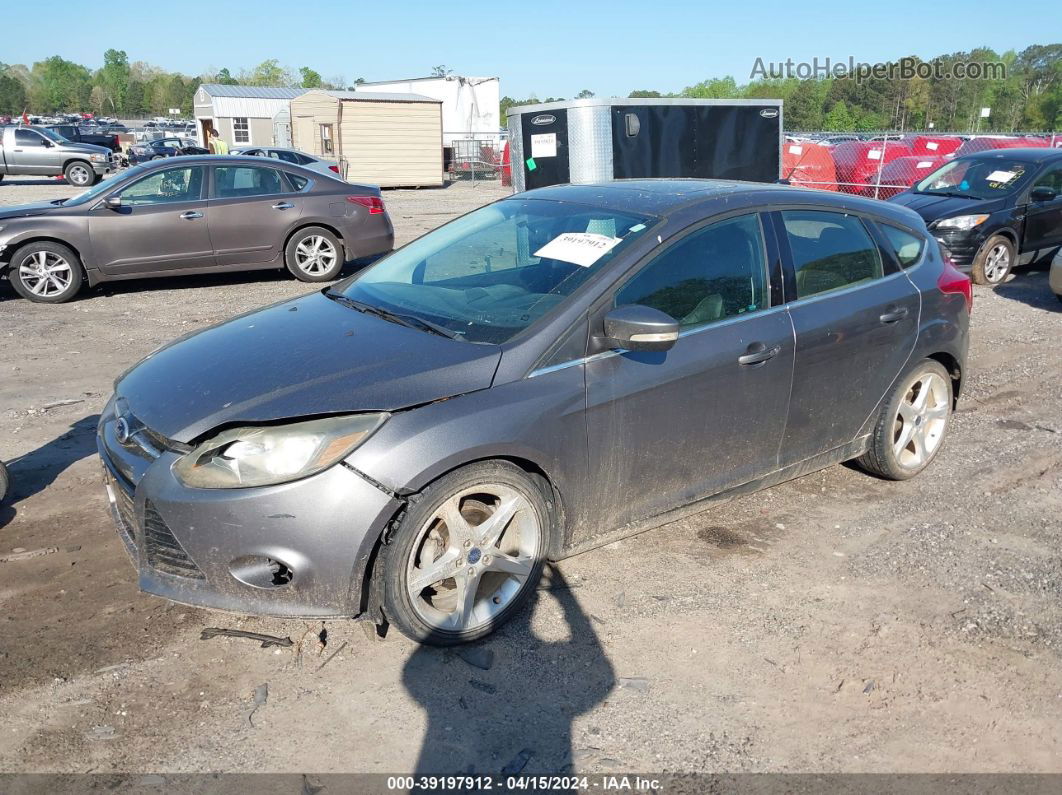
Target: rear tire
466,554
994,261
45,273
4,482
314,254
80,174
912,425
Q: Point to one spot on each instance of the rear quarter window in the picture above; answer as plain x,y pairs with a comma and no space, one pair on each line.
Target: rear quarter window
908,247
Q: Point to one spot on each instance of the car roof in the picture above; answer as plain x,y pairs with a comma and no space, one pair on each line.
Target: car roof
1032,154
662,197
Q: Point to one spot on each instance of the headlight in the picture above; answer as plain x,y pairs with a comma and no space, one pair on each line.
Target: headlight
262,456
962,222
99,158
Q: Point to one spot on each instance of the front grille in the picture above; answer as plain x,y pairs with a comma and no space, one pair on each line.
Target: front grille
163,551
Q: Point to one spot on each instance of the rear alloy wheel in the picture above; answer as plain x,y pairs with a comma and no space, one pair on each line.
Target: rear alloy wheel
994,261
913,424
314,255
467,554
80,174
47,273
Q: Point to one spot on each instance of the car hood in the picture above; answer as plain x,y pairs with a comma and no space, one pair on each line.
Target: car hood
86,149
304,357
933,208
27,210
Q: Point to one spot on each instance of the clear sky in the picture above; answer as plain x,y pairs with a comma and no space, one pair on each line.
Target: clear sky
545,47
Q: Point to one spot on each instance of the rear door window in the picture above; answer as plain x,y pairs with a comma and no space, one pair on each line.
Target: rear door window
233,182
831,251
907,246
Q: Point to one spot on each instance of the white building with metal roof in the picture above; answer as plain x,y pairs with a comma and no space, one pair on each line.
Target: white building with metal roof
242,115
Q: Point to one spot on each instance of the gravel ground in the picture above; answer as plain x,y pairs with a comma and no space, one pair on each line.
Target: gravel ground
834,623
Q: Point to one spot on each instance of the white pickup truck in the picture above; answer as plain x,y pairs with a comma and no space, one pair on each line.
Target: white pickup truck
37,151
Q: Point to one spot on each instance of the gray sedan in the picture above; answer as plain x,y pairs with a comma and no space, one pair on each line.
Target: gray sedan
188,215
539,377
329,168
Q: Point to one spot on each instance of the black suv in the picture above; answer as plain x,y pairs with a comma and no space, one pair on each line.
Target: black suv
993,210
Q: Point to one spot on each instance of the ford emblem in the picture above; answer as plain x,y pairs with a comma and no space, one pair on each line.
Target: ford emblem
544,118
769,113
121,431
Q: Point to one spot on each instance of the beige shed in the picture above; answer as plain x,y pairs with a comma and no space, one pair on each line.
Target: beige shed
390,140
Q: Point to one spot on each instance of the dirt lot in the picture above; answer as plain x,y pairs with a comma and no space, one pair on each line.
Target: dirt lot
836,623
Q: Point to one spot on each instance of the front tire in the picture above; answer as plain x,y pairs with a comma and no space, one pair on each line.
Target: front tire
994,261
46,273
913,424
80,174
314,254
466,555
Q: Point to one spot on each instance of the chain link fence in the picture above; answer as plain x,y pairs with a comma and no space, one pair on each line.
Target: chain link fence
882,164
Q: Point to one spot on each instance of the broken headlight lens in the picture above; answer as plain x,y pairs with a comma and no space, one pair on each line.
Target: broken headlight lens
265,455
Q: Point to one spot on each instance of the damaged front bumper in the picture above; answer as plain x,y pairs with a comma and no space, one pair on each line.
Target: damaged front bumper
297,549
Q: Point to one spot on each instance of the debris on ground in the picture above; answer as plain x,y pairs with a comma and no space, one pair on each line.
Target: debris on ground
517,763
477,656
101,732
57,403
21,554
261,695
266,640
342,646
635,683
486,687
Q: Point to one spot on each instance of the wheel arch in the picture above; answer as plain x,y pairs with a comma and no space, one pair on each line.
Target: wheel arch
18,245
367,587
306,224
954,368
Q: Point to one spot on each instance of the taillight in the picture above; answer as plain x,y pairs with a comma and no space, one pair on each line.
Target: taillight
374,203
952,280
334,168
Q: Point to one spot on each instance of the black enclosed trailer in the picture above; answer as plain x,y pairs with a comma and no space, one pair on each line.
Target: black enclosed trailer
593,140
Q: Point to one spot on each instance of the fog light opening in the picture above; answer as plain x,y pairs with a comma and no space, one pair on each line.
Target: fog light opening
260,571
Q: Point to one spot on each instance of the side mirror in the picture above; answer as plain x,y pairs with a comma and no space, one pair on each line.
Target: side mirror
114,202
1042,193
640,328
47,144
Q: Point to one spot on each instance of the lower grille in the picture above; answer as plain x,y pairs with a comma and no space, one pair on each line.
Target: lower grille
124,512
163,551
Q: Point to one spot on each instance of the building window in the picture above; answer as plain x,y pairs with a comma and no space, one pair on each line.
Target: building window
326,139
241,130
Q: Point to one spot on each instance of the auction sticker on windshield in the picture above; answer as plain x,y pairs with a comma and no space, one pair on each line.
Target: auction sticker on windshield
578,248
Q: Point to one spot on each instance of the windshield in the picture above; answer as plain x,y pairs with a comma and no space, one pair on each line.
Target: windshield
977,178
100,188
52,135
494,272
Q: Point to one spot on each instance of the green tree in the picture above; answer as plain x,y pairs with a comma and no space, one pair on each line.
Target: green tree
113,81
441,71
12,93
268,73
60,85
310,78
644,93
586,93
839,119
715,88
225,78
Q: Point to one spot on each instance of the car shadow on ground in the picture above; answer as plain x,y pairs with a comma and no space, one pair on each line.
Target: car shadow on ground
517,715
34,471
1030,286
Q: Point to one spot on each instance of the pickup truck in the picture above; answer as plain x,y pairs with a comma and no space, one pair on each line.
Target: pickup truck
37,151
72,132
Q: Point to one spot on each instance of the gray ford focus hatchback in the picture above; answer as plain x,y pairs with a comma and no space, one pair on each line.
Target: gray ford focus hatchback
541,376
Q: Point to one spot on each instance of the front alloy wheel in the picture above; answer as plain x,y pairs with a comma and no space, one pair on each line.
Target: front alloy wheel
466,555
994,261
46,273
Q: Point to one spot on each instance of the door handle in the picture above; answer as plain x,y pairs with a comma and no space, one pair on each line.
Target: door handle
894,314
283,206
191,215
758,353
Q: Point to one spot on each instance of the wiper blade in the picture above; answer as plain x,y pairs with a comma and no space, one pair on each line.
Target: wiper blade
951,194
410,321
